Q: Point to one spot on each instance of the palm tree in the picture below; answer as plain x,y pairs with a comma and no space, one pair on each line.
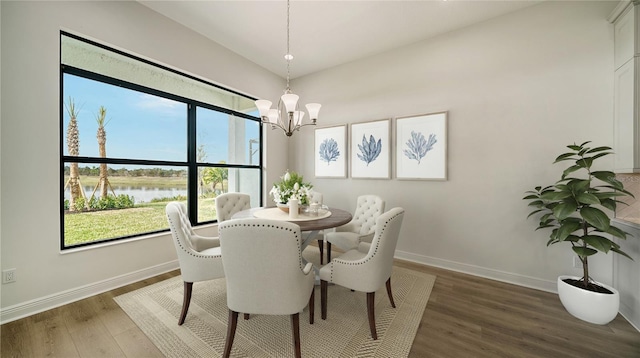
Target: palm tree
215,176
101,135
201,155
73,146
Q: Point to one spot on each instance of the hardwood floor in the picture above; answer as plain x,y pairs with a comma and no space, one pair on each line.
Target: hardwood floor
466,316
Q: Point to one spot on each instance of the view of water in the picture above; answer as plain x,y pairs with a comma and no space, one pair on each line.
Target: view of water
140,194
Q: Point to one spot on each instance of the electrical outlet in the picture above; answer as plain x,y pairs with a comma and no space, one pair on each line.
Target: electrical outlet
576,262
9,276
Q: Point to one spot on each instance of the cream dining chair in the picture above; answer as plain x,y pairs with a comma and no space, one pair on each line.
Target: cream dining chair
228,204
360,228
265,273
199,257
367,268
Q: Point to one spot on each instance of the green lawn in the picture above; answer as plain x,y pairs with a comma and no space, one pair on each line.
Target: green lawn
107,224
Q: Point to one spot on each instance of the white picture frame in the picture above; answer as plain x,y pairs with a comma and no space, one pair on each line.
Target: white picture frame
330,152
370,148
421,147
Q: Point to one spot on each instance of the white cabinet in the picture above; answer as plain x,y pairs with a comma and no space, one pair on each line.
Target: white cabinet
626,141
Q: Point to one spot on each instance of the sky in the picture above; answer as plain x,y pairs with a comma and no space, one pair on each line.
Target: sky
143,126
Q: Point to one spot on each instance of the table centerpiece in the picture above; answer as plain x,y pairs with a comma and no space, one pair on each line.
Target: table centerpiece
291,186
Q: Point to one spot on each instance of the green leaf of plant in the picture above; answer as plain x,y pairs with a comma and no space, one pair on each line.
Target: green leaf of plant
575,147
618,251
598,149
598,242
533,212
586,198
617,232
573,238
609,178
566,229
537,203
529,197
565,156
546,216
578,185
595,217
564,209
555,195
585,143
570,170
584,251
608,194
608,203
551,242
584,162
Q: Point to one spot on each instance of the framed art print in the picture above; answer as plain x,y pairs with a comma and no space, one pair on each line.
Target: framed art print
330,152
421,147
370,150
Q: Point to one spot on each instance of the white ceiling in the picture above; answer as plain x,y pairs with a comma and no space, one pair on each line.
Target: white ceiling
325,33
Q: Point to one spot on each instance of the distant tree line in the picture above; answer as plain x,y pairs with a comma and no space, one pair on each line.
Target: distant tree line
123,172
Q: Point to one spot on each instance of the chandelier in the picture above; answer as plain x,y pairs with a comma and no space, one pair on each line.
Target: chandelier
287,115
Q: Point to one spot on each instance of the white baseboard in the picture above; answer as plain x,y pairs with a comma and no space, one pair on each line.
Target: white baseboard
32,307
520,280
631,316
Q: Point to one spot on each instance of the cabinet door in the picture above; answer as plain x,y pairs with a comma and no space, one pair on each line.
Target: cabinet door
624,32
626,138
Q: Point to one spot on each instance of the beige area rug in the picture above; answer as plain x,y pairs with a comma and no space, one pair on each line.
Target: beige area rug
345,332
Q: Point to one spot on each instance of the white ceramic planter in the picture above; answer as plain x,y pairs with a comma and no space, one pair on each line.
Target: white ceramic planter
593,307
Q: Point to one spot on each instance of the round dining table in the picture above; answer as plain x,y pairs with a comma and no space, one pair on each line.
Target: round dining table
310,225
336,217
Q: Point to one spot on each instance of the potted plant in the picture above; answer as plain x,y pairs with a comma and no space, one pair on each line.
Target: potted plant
573,209
291,185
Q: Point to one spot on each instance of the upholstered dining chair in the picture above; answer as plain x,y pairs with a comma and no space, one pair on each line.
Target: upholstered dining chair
265,273
199,257
366,268
228,204
360,228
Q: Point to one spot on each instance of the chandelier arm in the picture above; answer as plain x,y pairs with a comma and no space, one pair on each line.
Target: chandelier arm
304,125
265,120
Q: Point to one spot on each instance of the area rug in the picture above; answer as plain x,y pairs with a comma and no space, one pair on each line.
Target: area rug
345,332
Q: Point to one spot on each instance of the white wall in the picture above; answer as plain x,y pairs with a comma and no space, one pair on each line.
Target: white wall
30,142
518,89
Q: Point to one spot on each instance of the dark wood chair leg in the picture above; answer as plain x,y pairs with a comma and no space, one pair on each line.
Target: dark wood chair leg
246,316
188,287
231,332
321,247
323,298
312,304
295,325
328,252
372,317
393,304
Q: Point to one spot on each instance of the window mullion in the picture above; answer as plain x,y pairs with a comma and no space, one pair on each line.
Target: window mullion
192,193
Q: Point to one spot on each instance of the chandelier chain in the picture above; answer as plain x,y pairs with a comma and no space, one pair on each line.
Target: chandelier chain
288,54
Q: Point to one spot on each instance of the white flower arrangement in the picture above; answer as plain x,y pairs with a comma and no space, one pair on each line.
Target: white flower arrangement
290,186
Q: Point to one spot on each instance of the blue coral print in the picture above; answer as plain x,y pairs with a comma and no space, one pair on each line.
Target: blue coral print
329,151
370,150
419,146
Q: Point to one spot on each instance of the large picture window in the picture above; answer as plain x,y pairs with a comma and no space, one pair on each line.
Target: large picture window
135,135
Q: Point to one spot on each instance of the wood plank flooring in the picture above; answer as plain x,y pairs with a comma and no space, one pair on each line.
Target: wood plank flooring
466,316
